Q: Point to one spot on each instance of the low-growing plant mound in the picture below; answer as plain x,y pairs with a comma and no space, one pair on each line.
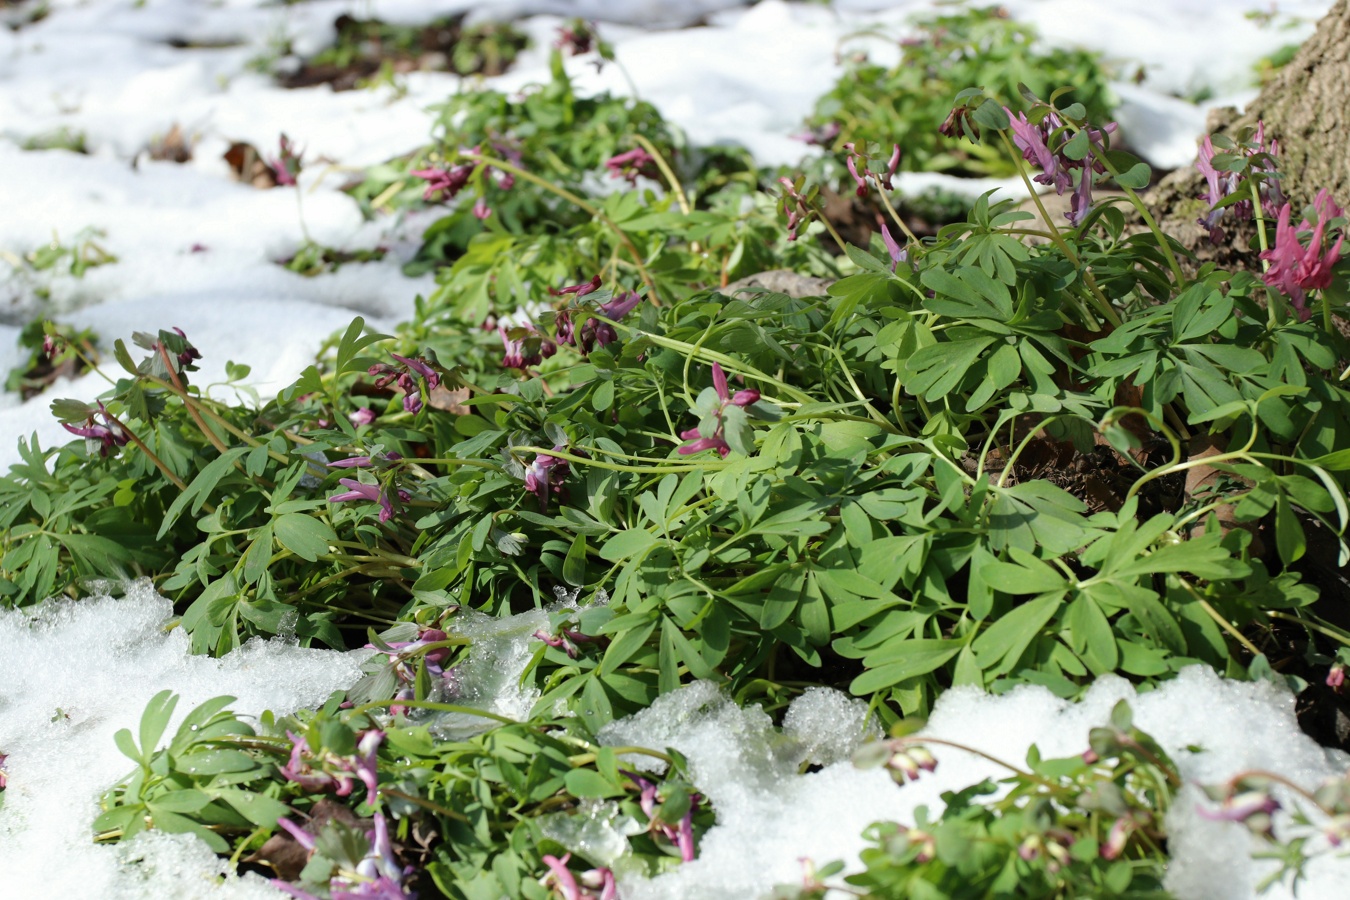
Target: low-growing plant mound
583,476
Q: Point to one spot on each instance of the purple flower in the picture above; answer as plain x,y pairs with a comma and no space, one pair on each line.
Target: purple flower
698,443
926,843
603,880
404,374
593,332
893,248
446,182
795,206
1056,167
365,766
1116,838
620,306
907,762
560,878
361,462
105,436
524,346
481,210
576,37
300,772
351,462
580,290
717,441
891,165
1251,808
1337,829
630,165
371,493
419,365
363,416
1335,679
4,777
1031,140
286,167
819,136
1224,184
563,328
302,837
547,475
861,190
682,834
1219,186
1080,204
1295,269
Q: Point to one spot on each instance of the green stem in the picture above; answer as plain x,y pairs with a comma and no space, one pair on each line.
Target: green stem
666,171
735,366
1334,634
159,463
895,217
1146,216
429,704
1219,619
618,467
424,803
1097,297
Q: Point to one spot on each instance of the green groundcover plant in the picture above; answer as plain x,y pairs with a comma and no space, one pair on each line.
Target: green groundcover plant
974,459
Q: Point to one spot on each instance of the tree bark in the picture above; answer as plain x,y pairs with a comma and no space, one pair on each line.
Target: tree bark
1306,107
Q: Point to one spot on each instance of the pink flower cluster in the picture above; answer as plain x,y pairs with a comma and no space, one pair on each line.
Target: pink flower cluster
1296,268
716,441
1033,139
593,884
412,375
1226,183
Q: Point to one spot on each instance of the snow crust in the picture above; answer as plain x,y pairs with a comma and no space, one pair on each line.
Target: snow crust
769,815
74,672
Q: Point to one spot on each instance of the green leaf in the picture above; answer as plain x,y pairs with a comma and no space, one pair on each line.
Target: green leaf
155,719
1027,576
1136,177
1090,635
185,801
201,487
127,744
1289,538
257,808
936,370
1156,621
919,658
1077,146
627,644
305,536
1004,642
574,565
602,398
193,722
626,544
967,292
205,763
123,357
258,555
990,114
173,823
585,784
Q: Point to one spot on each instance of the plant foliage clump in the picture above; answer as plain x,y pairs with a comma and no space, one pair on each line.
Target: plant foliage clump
965,460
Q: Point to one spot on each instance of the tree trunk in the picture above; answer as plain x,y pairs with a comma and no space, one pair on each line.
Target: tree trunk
1306,107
